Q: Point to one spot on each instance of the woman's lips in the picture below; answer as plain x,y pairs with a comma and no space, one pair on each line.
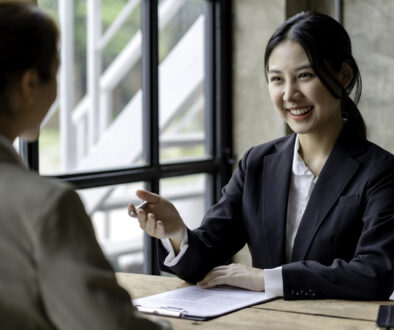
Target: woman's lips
300,112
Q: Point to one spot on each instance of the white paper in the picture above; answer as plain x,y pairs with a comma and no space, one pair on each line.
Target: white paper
194,301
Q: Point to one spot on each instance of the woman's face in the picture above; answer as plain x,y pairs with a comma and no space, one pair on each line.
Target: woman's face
299,96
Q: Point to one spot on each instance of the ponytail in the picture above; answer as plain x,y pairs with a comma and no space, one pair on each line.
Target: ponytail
351,112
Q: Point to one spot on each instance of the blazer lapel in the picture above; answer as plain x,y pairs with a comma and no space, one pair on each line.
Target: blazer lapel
275,185
337,172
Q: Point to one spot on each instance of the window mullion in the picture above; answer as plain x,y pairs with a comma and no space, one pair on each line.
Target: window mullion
218,50
150,88
209,90
223,92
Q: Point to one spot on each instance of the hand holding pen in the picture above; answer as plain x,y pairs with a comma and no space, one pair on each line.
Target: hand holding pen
158,217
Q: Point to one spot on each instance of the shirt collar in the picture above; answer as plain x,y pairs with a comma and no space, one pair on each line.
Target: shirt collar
299,167
6,145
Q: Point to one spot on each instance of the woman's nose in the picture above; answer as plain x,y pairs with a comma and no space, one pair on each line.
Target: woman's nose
291,92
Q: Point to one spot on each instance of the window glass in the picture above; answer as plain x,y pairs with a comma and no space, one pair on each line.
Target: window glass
118,234
181,80
96,123
187,193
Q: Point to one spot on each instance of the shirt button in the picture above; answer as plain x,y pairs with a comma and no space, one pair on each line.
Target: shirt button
312,293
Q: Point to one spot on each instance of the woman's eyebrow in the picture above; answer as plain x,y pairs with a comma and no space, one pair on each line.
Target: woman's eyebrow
299,68
303,67
274,71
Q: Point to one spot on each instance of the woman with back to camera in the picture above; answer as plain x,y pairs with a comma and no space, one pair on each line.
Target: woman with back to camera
316,208
53,274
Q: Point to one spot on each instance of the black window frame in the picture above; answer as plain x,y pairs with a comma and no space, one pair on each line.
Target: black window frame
218,116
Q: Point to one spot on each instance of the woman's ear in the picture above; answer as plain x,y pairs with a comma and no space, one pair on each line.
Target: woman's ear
28,85
346,75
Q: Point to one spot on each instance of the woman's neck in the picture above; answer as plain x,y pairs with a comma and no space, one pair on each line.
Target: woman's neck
316,147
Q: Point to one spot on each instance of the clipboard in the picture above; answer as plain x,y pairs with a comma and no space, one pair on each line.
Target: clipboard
199,304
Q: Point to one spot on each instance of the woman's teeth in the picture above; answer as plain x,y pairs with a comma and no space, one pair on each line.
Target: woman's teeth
300,111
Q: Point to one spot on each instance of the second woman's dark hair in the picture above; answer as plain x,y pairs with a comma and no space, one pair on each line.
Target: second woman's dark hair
328,47
28,40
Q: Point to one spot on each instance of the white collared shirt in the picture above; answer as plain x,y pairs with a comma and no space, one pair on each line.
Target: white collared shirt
301,186
302,183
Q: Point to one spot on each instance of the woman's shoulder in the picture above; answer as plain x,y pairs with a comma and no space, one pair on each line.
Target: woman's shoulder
361,148
285,143
29,198
376,155
29,186
378,150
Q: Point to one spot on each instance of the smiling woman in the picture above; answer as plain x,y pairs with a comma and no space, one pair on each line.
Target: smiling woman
298,94
311,72
315,208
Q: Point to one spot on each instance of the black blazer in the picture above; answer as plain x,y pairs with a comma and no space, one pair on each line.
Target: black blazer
344,247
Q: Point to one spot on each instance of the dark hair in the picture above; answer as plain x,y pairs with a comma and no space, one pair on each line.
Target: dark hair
328,46
28,40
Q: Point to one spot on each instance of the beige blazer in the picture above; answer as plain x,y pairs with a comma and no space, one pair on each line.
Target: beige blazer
53,274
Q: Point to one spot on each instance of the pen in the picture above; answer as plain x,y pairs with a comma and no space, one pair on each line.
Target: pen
143,206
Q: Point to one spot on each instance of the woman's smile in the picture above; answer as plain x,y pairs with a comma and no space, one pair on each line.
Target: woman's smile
300,112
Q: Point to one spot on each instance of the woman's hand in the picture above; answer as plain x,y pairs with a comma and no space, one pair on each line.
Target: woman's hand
235,275
160,219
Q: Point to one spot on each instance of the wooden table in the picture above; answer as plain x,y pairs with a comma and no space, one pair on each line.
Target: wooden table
277,314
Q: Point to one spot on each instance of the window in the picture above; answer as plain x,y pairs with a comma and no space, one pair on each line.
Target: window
144,102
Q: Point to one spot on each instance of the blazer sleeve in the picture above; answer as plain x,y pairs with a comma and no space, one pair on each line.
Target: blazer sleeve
369,274
78,286
220,236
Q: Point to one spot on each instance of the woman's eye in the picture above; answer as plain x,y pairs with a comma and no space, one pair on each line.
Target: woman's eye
305,75
275,79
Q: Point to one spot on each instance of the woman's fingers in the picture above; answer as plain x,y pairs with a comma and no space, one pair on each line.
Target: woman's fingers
159,218
215,277
131,210
160,232
147,196
141,217
148,222
151,225
236,275
220,280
